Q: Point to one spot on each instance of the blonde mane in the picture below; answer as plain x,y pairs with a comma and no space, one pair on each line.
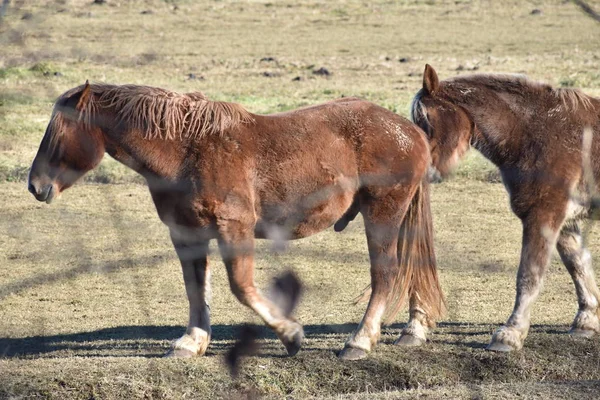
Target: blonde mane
160,113
571,98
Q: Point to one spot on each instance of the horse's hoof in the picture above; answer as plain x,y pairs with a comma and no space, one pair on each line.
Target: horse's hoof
352,353
500,347
293,346
180,353
583,333
409,341
506,339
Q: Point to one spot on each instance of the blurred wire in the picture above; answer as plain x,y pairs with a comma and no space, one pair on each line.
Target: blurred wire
591,198
585,7
4,7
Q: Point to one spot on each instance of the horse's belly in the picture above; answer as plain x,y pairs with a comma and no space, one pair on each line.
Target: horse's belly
306,217
321,218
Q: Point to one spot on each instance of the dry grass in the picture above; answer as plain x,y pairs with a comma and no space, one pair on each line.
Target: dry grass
91,292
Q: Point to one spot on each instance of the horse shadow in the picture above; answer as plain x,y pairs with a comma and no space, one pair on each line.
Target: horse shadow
154,340
147,341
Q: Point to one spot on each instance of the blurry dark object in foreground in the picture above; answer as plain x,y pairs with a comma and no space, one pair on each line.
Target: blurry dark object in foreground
285,292
245,346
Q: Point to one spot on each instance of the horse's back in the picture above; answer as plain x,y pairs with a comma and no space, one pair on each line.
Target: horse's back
346,128
352,118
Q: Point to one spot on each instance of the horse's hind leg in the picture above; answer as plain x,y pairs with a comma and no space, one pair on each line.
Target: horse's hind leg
382,227
415,332
238,255
194,263
578,261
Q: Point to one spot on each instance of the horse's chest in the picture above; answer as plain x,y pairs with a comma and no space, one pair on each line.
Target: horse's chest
181,210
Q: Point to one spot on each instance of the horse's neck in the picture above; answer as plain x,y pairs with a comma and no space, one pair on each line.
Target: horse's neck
490,145
494,136
155,159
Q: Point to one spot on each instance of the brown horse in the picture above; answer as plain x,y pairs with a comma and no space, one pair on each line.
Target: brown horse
216,171
534,134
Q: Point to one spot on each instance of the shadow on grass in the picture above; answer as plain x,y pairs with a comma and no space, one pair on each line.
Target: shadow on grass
154,340
119,265
547,357
128,340
48,278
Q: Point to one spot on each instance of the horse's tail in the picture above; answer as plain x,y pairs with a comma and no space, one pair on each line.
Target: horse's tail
417,272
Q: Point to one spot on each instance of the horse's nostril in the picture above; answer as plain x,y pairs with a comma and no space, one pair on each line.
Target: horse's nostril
32,189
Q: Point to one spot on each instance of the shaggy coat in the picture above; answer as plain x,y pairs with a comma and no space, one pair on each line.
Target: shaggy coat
216,171
535,134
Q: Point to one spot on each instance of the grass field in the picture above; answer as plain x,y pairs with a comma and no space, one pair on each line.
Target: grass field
91,292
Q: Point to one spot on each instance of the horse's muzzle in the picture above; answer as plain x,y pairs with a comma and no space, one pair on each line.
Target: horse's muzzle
42,192
434,175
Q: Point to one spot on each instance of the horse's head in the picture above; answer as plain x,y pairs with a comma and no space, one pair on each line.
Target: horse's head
447,125
71,146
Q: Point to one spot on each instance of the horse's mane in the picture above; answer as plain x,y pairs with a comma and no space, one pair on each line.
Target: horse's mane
160,113
571,98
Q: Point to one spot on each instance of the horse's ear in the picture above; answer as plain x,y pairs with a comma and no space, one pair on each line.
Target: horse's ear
431,83
84,97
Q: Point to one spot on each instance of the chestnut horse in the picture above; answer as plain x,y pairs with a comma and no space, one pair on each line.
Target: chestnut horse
534,134
216,171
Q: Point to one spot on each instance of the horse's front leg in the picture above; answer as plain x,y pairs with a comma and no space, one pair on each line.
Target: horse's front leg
193,256
237,251
540,234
